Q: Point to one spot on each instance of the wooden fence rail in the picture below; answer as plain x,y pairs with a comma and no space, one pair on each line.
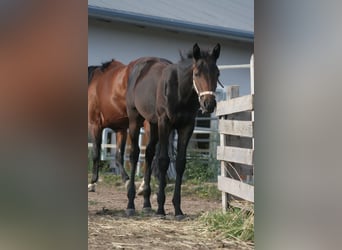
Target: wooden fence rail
236,149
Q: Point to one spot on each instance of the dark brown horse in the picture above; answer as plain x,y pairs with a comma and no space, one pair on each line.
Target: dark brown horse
168,96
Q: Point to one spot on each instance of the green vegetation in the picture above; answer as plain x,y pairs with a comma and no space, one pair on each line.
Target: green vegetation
111,179
104,165
201,190
200,168
236,223
92,202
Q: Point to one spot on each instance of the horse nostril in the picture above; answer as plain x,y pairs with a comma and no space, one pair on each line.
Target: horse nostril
206,103
214,103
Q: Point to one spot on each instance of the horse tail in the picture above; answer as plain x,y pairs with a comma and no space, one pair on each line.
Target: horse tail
91,70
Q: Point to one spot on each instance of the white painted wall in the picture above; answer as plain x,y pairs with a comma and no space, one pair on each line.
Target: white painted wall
126,42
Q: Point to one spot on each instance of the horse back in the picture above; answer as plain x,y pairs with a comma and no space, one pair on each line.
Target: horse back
107,95
143,85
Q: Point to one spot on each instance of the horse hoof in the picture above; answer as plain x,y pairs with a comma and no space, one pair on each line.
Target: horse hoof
127,184
180,217
161,216
91,187
130,211
147,210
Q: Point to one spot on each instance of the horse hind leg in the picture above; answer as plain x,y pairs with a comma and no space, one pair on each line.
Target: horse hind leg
150,152
134,130
121,137
146,135
141,188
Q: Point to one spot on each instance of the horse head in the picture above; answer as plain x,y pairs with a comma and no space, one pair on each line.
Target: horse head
205,76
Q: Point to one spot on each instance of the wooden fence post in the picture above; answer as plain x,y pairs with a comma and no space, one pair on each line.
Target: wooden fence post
250,178
232,92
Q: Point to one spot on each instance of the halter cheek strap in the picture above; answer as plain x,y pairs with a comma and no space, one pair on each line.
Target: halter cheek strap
200,94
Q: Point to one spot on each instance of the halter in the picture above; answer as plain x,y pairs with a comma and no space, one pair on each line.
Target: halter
200,94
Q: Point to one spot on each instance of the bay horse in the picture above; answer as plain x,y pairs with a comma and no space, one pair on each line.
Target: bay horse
168,96
107,85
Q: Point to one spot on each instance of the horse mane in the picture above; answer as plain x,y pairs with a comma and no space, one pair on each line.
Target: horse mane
106,65
103,67
91,70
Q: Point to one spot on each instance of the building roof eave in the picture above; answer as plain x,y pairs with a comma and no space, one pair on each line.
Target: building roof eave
167,23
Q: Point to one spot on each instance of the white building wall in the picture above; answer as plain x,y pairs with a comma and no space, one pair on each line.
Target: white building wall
126,42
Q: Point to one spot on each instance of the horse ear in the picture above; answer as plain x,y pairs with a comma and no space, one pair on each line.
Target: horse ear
196,52
216,51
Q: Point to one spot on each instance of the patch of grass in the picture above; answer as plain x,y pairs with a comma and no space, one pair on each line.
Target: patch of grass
111,179
202,190
208,191
190,188
154,184
92,202
104,165
200,168
236,223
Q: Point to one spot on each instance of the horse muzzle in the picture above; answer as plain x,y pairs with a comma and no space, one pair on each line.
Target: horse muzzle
208,103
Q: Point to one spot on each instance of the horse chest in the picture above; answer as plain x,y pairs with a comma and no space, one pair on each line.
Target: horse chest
184,116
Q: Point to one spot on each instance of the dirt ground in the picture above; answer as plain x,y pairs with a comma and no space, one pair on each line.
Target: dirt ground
110,228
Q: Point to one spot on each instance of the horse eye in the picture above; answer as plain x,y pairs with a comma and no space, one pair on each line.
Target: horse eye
196,74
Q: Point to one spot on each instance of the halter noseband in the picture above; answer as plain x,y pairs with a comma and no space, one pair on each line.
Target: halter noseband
200,94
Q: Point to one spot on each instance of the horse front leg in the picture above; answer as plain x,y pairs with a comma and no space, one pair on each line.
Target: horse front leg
96,140
164,130
121,137
184,135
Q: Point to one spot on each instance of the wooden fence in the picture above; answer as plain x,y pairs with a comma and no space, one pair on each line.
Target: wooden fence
235,125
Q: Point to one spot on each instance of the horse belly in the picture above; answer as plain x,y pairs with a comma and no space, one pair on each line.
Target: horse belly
118,123
147,110
145,102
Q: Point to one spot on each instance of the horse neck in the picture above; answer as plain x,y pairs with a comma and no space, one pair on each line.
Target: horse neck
185,86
